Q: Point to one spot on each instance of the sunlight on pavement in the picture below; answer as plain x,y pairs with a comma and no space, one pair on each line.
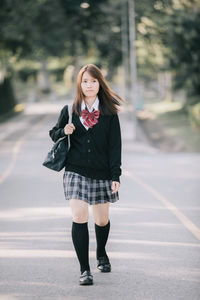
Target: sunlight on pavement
35,213
34,253
44,107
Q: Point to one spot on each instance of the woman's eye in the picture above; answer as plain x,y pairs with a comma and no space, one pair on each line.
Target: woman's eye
85,81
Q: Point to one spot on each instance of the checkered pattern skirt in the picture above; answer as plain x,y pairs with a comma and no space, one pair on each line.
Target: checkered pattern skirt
92,191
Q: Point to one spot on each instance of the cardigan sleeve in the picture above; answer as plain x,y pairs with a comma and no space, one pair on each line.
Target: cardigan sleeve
58,130
115,148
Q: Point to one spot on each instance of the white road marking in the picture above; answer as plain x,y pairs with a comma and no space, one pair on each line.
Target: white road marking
16,150
184,220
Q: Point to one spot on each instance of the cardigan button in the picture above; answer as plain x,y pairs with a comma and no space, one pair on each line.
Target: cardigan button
89,150
88,141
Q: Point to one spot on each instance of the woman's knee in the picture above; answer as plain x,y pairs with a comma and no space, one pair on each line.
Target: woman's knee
102,221
101,214
79,211
79,217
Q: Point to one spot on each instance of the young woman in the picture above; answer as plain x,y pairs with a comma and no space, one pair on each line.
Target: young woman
93,166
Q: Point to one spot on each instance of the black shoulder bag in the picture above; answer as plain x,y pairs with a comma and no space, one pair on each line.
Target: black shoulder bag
57,156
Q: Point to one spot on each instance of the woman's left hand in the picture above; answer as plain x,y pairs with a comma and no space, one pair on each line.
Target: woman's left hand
115,186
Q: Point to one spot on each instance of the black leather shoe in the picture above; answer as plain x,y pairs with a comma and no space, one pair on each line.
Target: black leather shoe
103,264
86,278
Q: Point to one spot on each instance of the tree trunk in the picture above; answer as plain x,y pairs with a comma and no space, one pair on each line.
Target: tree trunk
43,78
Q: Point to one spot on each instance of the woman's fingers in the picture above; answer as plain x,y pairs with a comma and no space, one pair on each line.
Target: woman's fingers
69,128
115,186
72,126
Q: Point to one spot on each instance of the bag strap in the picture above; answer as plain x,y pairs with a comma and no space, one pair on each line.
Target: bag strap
70,113
69,121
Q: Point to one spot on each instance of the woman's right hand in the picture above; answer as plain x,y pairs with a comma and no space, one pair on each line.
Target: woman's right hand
69,128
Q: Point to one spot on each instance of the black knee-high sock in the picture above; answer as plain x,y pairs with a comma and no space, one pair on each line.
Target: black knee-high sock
102,233
80,238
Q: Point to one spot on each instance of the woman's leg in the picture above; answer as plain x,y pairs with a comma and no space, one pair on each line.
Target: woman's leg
80,234
79,210
101,213
102,228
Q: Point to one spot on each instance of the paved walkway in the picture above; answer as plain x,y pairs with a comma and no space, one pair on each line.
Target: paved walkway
154,243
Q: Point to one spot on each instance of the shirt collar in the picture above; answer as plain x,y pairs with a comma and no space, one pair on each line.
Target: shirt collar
94,106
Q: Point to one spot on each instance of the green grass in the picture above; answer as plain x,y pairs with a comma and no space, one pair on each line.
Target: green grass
177,123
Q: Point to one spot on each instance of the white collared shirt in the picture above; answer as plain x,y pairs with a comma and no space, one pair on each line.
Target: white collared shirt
94,106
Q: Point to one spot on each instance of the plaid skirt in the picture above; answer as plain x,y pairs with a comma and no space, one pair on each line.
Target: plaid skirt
92,191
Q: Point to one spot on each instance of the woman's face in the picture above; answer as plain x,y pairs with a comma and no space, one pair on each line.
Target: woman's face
89,85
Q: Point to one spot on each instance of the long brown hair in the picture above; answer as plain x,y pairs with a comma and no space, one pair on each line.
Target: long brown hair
109,101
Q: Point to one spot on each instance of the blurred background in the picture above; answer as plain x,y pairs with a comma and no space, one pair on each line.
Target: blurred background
149,51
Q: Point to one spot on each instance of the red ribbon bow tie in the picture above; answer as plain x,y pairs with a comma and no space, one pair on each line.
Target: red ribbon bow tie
90,118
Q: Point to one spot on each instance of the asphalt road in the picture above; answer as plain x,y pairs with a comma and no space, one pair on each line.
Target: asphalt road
154,243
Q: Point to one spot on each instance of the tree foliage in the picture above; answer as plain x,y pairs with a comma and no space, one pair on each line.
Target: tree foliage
168,34
182,40
33,28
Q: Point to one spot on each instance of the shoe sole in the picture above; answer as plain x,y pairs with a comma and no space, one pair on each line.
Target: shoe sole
86,283
104,270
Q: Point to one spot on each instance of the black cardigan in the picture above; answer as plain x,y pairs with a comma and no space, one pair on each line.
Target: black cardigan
96,152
